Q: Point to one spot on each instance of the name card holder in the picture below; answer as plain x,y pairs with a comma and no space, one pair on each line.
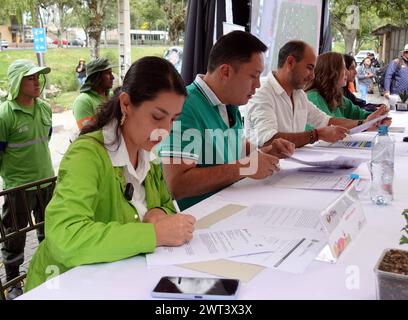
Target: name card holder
342,221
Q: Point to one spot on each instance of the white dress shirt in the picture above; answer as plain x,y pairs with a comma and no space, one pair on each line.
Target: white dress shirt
271,111
119,156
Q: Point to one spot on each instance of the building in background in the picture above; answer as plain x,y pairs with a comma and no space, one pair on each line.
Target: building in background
392,40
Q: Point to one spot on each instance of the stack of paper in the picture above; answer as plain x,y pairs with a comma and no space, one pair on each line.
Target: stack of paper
340,162
277,237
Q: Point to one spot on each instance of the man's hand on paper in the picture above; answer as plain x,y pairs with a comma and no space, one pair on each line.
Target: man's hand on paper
174,230
282,148
263,163
332,133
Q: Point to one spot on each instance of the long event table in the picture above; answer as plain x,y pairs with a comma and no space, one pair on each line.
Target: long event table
352,277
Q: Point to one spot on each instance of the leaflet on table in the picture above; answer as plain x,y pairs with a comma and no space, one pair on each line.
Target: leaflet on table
292,251
366,125
320,180
356,141
272,216
210,244
295,235
340,162
342,222
348,144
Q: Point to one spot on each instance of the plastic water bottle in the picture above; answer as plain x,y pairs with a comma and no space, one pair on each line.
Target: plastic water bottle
382,167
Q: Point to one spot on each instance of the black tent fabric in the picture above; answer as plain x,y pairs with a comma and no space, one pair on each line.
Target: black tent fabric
200,35
326,32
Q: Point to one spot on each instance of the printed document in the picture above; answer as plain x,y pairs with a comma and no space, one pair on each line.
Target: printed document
210,244
294,239
314,181
340,162
291,250
366,125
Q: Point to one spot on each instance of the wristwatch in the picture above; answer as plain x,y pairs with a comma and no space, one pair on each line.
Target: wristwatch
360,122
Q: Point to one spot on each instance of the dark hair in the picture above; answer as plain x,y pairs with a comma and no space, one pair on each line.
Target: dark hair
348,60
295,48
327,71
362,61
236,46
144,80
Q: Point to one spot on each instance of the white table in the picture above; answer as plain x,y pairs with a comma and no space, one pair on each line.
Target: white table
352,277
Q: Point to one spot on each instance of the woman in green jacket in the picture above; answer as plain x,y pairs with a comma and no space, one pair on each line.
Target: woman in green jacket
111,201
326,91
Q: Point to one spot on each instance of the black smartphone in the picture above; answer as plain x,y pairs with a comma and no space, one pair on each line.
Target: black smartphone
196,288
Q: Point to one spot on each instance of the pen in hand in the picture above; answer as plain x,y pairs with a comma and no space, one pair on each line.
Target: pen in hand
260,151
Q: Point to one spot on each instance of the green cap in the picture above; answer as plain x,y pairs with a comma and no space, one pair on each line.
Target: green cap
92,68
19,69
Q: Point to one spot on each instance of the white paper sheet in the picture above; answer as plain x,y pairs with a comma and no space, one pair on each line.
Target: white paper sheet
273,216
314,181
210,244
295,235
366,125
340,162
292,251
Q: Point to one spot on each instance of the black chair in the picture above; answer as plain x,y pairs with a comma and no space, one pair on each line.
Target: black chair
18,231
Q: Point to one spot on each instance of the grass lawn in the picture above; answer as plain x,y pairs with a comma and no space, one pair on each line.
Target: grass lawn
63,61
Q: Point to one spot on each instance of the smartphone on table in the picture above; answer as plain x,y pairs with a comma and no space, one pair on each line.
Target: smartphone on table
196,288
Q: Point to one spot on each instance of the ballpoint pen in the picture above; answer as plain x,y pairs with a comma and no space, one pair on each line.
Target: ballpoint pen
260,151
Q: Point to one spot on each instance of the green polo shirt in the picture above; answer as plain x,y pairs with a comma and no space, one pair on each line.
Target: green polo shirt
85,106
348,110
24,136
200,134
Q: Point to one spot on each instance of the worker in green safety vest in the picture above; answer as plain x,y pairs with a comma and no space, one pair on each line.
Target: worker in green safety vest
25,130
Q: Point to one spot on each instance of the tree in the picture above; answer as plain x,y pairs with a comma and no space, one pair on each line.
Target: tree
16,8
80,18
110,19
13,10
148,12
355,20
96,12
176,17
60,12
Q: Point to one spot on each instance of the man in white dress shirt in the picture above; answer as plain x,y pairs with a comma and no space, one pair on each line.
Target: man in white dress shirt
280,108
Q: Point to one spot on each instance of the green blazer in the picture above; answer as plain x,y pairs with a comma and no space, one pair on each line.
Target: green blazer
347,110
89,219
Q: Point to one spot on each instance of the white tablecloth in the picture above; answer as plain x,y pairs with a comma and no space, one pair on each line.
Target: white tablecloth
352,277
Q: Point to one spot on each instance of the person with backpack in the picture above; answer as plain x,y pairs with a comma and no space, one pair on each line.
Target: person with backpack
396,77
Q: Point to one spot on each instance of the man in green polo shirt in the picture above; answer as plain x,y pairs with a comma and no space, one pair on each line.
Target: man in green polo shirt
94,91
206,151
25,130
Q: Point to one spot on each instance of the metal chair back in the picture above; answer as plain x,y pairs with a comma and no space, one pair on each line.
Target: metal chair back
6,236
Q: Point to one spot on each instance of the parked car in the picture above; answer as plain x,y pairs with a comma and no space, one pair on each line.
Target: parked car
64,42
361,55
4,44
76,43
